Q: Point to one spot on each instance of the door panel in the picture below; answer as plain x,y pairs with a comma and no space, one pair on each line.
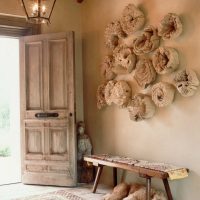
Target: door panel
58,87
59,142
47,86
34,141
33,59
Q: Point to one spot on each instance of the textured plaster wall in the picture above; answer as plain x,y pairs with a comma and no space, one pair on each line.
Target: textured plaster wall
173,135
11,7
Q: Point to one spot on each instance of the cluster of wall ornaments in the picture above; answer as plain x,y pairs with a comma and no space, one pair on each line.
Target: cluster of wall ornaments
145,58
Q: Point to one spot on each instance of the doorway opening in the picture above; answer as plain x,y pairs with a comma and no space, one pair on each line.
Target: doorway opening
10,161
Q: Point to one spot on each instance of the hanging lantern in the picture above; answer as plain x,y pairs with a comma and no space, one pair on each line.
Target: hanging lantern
38,11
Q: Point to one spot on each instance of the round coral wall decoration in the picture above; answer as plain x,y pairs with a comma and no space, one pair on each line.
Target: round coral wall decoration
170,26
100,95
186,82
132,19
146,42
113,33
145,74
141,107
118,92
107,68
108,92
165,60
125,60
163,94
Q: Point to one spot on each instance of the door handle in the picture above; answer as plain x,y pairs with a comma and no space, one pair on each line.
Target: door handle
46,115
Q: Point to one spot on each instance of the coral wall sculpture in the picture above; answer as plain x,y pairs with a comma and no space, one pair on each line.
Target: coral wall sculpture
163,94
146,42
186,82
132,19
108,92
140,56
145,74
170,26
106,68
121,93
125,60
141,107
165,60
113,33
101,102
117,92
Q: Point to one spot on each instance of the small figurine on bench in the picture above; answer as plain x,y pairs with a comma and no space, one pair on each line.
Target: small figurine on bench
85,172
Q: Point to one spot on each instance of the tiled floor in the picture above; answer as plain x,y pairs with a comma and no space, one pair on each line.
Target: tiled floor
10,192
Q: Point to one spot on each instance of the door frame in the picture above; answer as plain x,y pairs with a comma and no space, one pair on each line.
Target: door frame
15,26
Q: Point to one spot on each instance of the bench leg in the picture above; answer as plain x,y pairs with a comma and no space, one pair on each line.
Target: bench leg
99,171
167,189
123,176
148,188
114,176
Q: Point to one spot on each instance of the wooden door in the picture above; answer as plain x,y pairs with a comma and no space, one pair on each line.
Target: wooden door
48,139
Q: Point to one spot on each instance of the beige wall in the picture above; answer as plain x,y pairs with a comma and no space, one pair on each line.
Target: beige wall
173,135
11,7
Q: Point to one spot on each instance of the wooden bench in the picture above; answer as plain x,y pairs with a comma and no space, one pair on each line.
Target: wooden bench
132,165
